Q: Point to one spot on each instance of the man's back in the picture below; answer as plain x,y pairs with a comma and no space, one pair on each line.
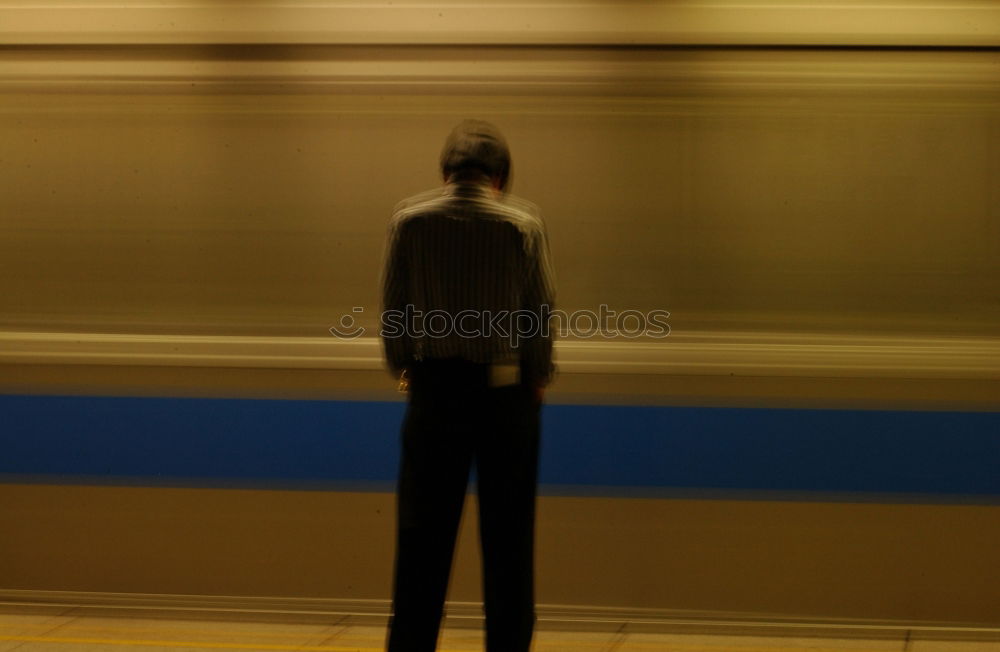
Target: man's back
468,276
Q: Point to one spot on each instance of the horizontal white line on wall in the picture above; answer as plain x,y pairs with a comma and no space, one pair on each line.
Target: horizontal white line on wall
607,22
701,354
379,70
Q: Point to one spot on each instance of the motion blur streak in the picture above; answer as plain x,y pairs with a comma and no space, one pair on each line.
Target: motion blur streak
192,195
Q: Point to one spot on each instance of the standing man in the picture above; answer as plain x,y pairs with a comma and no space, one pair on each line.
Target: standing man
467,290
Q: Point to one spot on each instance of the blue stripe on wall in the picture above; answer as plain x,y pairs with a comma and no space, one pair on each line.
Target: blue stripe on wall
598,449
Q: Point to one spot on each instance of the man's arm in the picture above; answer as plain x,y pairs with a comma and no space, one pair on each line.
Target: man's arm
539,299
393,328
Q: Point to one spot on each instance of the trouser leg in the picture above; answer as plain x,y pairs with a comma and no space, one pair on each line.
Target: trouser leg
507,467
432,482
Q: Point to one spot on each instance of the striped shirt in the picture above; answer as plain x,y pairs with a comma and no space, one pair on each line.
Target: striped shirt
467,275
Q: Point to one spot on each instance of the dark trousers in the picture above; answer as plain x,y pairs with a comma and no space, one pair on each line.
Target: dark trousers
454,420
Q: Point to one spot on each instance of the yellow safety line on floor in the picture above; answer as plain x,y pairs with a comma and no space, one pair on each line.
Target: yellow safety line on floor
145,630
731,647
194,644
353,648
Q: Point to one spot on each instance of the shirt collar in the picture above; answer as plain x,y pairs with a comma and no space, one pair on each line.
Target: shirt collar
471,189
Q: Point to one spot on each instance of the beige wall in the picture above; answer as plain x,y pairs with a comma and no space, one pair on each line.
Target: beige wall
804,557
154,181
194,190
918,563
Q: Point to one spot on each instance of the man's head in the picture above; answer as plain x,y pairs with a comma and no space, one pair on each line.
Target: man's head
475,149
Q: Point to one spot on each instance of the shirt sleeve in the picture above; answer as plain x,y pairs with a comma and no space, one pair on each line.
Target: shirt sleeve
539,300
392,328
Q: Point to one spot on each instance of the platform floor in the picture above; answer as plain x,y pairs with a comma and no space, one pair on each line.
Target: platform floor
47,629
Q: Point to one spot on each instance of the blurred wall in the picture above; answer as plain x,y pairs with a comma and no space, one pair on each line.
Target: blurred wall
245,190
